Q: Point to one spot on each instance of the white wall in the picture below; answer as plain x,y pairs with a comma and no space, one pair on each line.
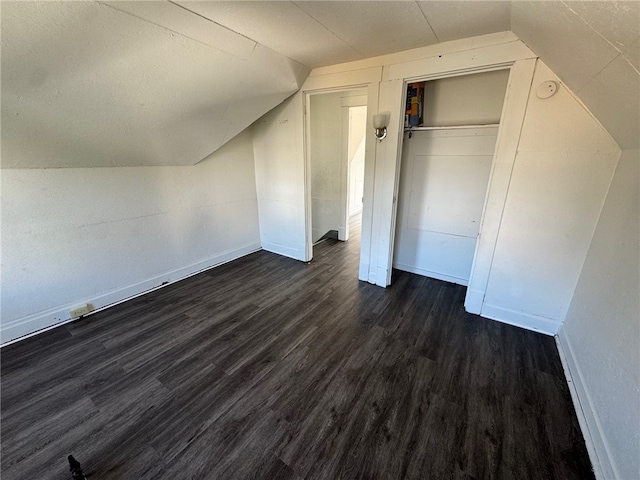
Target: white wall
280,180
326,157
564,164
443,183
99,235
357,131
601,333
280,155
554,163
466,99
336,141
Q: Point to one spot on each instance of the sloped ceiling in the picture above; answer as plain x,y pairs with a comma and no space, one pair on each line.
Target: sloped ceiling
87,84
594,47
167,83
320,33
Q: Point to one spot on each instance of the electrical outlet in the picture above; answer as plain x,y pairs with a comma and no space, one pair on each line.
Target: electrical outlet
81,310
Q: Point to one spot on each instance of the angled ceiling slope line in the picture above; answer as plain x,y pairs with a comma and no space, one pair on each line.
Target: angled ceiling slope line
88,84
167,83
594,48
320,33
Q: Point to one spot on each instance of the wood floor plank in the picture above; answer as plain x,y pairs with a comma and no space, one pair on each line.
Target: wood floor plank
269,368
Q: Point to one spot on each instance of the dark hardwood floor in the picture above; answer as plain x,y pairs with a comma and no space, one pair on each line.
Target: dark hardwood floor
268,368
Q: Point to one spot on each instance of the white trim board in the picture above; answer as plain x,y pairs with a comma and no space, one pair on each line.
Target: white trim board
285,251
597,447
547,326
482,58
512,120
452,46
431,274
40,322
473,301
342,80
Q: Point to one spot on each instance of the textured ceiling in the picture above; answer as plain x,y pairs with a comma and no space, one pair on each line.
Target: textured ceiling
166,83
319,33
594,47
88,84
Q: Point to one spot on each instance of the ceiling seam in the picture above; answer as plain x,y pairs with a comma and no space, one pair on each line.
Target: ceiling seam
602,70
180,33
424,15
209,20
631,64
255,42
593,28
329,30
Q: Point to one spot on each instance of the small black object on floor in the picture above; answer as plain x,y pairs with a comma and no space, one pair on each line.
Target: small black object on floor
76,470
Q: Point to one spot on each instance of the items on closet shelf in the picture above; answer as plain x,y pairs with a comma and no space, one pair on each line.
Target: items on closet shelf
415,100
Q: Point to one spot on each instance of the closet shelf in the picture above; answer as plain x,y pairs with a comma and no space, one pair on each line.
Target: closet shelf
452,127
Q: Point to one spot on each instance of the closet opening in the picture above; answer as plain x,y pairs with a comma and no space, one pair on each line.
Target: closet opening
450,131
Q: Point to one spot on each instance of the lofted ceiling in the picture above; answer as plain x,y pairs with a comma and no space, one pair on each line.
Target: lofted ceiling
319,33
88,84
594,47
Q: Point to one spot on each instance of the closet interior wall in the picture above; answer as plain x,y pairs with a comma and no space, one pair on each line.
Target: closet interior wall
445,169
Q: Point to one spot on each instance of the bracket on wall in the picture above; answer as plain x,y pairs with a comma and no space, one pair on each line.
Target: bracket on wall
380,125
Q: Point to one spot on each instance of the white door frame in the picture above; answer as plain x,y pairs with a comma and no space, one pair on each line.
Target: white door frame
347,113
512,119
306,99
346,106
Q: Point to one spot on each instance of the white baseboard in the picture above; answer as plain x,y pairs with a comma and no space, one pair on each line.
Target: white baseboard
473,301
42,321
431,274
519,319
283,250
474,304
381,276
603,466
373,275
363,272
314,234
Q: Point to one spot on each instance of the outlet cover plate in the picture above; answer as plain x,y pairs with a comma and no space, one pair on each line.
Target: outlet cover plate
80,310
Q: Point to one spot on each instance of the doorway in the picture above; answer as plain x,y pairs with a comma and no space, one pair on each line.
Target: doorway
336,137
451,129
